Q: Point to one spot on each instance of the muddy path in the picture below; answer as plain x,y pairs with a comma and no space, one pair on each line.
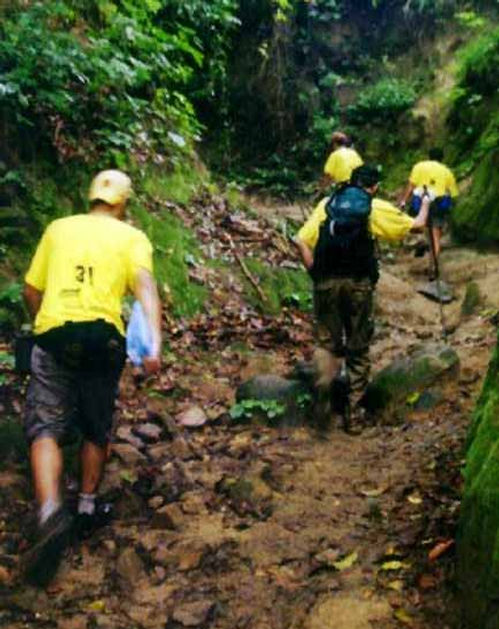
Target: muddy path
235,527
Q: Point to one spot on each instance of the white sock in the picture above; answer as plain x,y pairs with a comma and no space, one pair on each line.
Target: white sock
48,508
86,504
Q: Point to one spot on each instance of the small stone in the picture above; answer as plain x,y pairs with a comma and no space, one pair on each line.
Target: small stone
109,545
128,454
328,556
150,433
193,417
159,574
193,614
124,433
189,560
72,622
160,451
129,566
193,503
168,517
180,449
164,557
156,502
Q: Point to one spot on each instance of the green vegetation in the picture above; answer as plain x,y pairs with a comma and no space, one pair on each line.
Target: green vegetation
472,299
478,539
474,124
247,409
102,83
382,102
174,247
254,87
282,287
12,442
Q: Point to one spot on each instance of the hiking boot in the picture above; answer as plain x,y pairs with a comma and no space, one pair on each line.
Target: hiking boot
360,420
85,524
43,560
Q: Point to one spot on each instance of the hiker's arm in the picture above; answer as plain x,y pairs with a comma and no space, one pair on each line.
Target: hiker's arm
407,195
306,254
422,217
146,292
325,181
33,299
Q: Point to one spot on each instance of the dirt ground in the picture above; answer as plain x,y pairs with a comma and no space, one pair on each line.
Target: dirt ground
234,526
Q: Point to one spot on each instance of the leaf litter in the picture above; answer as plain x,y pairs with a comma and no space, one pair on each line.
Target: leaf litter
258,514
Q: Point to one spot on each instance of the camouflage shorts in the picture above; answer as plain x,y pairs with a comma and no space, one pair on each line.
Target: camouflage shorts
61,401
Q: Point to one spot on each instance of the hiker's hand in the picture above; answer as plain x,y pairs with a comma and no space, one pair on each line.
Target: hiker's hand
152,364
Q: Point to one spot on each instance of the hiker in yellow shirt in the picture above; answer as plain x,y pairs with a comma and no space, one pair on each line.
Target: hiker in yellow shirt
342,160
437,180
337,247
82,268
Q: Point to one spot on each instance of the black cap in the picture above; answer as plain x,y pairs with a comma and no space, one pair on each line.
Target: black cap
365,176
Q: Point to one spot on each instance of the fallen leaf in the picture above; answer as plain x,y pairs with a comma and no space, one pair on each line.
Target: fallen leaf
397,585
440,549
403,616
97,606
394,565
373,493
346,562
413,398
391,550
427,581
128,476
414,499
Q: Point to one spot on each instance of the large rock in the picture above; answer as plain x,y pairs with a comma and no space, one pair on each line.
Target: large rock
292,394
478,534
427,366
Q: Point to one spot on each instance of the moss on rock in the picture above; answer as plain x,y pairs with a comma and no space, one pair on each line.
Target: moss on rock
478,535
428,365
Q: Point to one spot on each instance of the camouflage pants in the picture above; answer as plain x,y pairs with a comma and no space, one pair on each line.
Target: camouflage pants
345,326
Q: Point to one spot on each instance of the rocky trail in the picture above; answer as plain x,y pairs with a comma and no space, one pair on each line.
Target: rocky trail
234,526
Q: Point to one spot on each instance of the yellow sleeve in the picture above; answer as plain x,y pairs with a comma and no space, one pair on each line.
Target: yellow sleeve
309,233
388,222
140,256
452,185
37,272
416,176
331,165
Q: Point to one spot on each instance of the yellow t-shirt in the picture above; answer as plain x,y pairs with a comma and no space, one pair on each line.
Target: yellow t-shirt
385,221
340,164
435,176
84,265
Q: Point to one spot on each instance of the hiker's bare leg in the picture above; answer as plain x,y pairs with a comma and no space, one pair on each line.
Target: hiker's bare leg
92,459
437,236
46,467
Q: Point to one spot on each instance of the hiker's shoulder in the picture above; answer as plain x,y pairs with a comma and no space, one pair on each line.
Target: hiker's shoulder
384,206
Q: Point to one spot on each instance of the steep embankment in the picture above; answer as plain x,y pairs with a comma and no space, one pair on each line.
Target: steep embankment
245,526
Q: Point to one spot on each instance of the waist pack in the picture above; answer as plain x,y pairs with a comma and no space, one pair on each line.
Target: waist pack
441,204
345,247
94,346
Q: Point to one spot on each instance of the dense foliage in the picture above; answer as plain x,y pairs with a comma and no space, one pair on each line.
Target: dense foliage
96,80
255,86
302,68
474,126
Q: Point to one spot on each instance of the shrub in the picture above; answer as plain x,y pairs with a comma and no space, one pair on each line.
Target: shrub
385,100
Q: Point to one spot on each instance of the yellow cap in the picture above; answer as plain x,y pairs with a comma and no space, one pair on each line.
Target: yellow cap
110,186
